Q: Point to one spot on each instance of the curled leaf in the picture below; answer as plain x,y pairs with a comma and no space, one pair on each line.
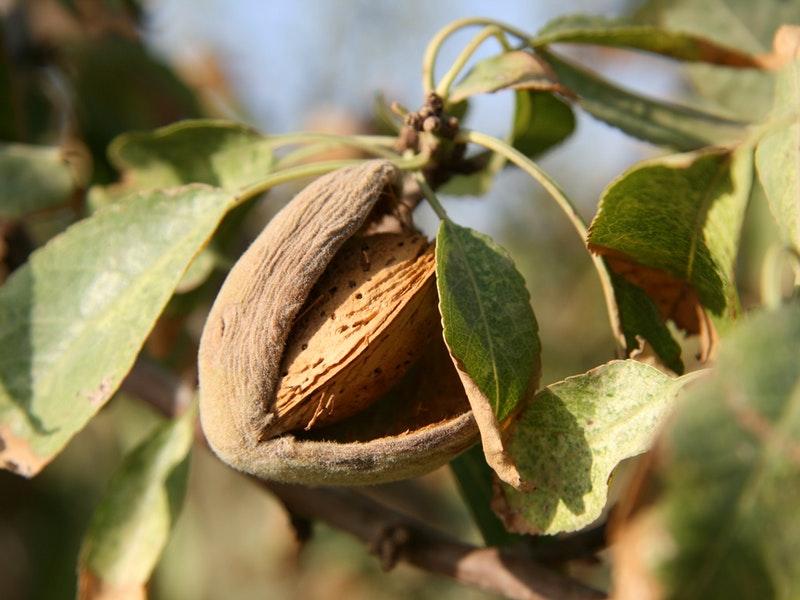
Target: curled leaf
586,29
220,153
670,226
74,318
490,331
517,70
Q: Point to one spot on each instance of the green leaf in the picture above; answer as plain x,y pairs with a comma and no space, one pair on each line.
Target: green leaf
568,440
133,521
75,316
198,271
510,70
778,156
640,319
120,86
660,123
474,478
585,29
731,471
33,178
541,121
489,328
743,24
383,118
474,184
671,227
220,153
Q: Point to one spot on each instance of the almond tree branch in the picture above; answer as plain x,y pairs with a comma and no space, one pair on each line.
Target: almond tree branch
390,534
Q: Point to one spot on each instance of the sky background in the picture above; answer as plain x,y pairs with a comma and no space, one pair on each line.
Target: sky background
289,61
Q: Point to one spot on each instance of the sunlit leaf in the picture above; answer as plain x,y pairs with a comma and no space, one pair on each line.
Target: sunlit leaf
778,156
510,70
75,316
133,522
671,227
569,439
660,123
489,328
585,29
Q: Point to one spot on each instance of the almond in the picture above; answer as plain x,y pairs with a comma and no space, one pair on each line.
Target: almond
321,359
365,322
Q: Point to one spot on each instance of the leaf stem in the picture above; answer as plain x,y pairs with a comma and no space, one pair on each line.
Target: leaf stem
374,144
531,168
319,168
461,60
432,50
430,196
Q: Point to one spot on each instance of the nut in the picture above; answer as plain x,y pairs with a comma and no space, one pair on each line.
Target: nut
365,322
322,359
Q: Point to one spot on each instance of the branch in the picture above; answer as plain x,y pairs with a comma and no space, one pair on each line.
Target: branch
390,534
395,536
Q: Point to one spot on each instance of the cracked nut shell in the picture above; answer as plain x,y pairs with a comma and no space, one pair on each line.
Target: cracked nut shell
272,408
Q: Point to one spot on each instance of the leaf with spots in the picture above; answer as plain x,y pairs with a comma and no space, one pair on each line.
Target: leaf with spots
490,331
133,522
671,226
76,315
568,440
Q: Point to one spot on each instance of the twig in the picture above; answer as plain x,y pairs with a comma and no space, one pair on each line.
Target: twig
390,534
375,524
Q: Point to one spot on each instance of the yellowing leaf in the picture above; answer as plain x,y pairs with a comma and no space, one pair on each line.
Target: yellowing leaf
75,316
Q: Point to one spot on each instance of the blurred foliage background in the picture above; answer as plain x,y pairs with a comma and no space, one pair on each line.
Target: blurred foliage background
77,73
